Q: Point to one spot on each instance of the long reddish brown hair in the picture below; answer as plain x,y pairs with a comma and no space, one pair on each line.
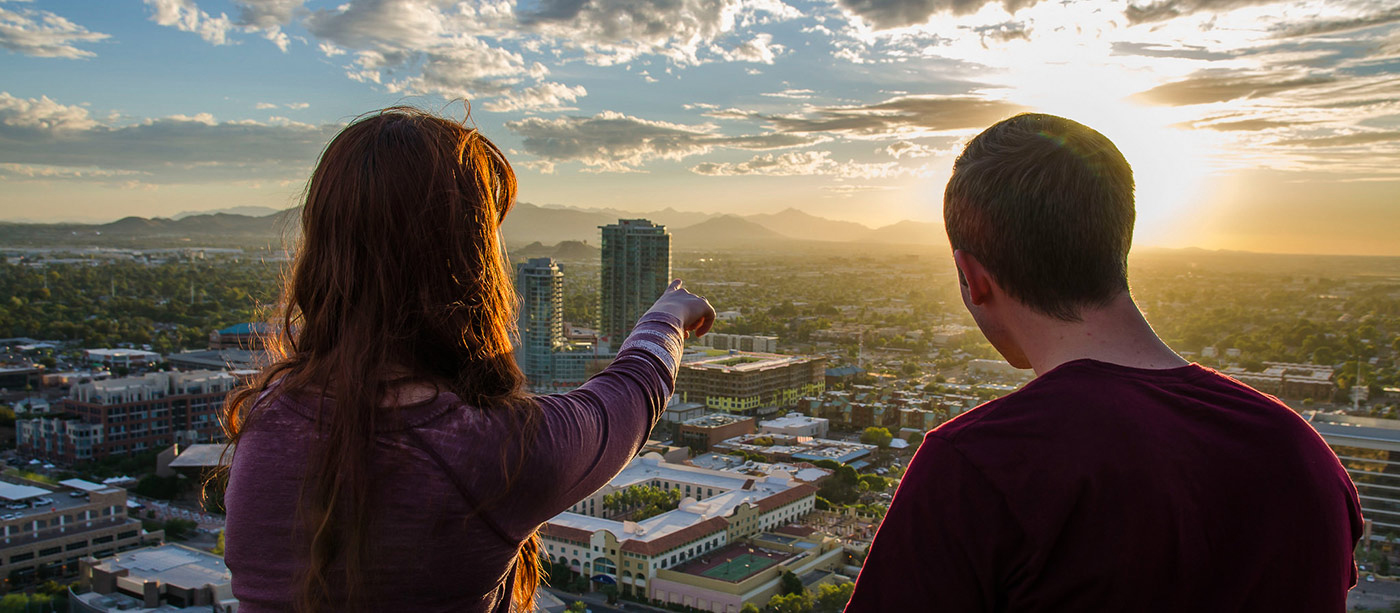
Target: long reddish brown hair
399,279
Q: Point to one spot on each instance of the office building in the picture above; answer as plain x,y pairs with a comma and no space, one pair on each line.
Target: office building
539,283
636,268
164,578
47,530
688,556
739,342
751,383
1369,449
550,360
99,419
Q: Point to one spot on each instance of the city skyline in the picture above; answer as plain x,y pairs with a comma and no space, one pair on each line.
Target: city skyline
1252,125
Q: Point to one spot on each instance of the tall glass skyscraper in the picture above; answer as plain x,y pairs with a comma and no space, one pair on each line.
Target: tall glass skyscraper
636,270
540,285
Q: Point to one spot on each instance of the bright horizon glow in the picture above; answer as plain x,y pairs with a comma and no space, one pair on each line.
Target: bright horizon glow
1272,126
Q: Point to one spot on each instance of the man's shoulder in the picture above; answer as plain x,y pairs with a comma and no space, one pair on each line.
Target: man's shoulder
1037,400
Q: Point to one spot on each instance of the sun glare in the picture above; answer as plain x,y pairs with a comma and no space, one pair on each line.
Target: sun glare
1170,162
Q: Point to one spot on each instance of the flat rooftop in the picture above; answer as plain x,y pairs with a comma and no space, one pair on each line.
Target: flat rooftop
60,499
715,420
747,361
791,421
205,455
171,564
732,489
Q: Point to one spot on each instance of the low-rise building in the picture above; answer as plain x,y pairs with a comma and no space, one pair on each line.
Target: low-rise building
132,414
218,359
997,368
657,557
251,336
739,342
678,412
780,448
21,377
751,383
704,432
120,358
796,424
1288,380
45,531
164,578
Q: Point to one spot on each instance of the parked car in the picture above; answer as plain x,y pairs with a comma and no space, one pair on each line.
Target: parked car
43,502
10,516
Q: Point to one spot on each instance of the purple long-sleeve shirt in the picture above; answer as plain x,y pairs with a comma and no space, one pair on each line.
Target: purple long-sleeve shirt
429,552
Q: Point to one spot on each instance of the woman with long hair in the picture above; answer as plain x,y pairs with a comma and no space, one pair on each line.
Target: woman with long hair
389,459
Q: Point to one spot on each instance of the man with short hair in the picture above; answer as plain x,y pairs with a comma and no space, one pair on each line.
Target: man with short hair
1122,478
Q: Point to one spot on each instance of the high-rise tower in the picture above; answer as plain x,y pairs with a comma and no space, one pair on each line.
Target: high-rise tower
636,270
540,284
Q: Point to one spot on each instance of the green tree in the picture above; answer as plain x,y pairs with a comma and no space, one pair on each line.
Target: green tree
749,607
789,583
800,602
832,598
577,606
14,603
874,483
876,435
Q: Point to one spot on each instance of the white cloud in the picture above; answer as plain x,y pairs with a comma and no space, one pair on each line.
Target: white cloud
614,142
42,115
39,171
262,106
616,31
185,16
44,34
760,50
905,149
40,137
547,96
796,94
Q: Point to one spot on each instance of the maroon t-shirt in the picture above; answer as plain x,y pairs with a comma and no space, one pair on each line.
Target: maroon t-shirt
1099,487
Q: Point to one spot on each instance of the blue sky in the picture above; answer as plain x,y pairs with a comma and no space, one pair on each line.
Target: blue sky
1251,124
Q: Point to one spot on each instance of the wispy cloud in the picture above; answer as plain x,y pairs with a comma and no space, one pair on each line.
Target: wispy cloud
615,142
803,163
903,115
43,33
39,133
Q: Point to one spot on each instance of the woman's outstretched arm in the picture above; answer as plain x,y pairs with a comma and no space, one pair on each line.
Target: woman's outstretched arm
589,434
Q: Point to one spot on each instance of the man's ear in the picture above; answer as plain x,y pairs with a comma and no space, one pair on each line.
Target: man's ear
979,284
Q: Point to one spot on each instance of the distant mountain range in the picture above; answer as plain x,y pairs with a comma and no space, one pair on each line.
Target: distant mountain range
525,225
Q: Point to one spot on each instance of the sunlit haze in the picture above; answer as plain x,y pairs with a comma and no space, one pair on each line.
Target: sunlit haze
1251,125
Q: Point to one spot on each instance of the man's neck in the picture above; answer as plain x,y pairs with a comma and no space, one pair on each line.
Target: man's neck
1116,333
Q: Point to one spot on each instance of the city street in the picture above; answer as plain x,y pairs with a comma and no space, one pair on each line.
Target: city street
1378,595
598,603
